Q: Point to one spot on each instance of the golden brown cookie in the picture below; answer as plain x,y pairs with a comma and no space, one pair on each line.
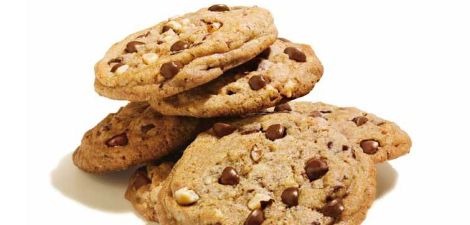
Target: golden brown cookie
183,52
284,71
135,134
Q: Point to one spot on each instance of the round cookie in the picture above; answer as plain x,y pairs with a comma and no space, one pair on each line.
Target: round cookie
268,169
134,135
183,52
284,71
381,139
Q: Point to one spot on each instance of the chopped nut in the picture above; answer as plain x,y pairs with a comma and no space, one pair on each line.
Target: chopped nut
174,25
185,196
255,202
185,21
255,154
150,58
122,69
288,88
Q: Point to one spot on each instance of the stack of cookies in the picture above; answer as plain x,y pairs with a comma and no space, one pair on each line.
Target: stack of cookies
210,120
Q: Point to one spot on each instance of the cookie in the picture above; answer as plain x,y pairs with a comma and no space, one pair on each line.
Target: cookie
379,138
268,169
183,52
145,184
134,135
284,71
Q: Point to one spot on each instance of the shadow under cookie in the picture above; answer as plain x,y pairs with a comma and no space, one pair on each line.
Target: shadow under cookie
387,178
102,192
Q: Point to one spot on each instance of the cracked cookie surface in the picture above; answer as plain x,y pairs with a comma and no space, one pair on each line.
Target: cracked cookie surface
268,169
379,138
284,71
135,134
183,52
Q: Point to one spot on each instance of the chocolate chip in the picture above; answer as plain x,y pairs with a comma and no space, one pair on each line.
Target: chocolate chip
115,60
115,67
141,178
370,146
325,111
170,69
329,145
219,8
283,108
117,140
345,147
265,204
295,54
316,114
165,28
257,82
256,217
360,120
146,128
144,35
275,131
179,45
229,176
333,209
131,46
315,168
290,196
223,129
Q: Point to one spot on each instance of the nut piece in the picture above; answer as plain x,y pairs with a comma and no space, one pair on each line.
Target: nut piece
185,196
256,154
150,58
255,202
288,88
174,25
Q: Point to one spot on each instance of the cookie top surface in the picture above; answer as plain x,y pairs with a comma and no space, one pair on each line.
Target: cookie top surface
379,138
270,169
133,135
183,52
284,71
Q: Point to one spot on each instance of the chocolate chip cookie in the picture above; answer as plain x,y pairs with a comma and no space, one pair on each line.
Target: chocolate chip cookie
284,71
134,135
183,52
278,168
381,139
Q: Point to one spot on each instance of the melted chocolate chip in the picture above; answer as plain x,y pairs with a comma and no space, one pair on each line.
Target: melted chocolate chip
345,148
290,196
115,60
333,208
165,28
223,129
257,82
170,69
229,176
315,168
283,108
265,54
219,8
370,146
275,131
115,67
179,45
117,140
131,46
360,120
256,217
295,54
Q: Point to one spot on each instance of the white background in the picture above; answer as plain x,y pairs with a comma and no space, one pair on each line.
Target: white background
407,61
